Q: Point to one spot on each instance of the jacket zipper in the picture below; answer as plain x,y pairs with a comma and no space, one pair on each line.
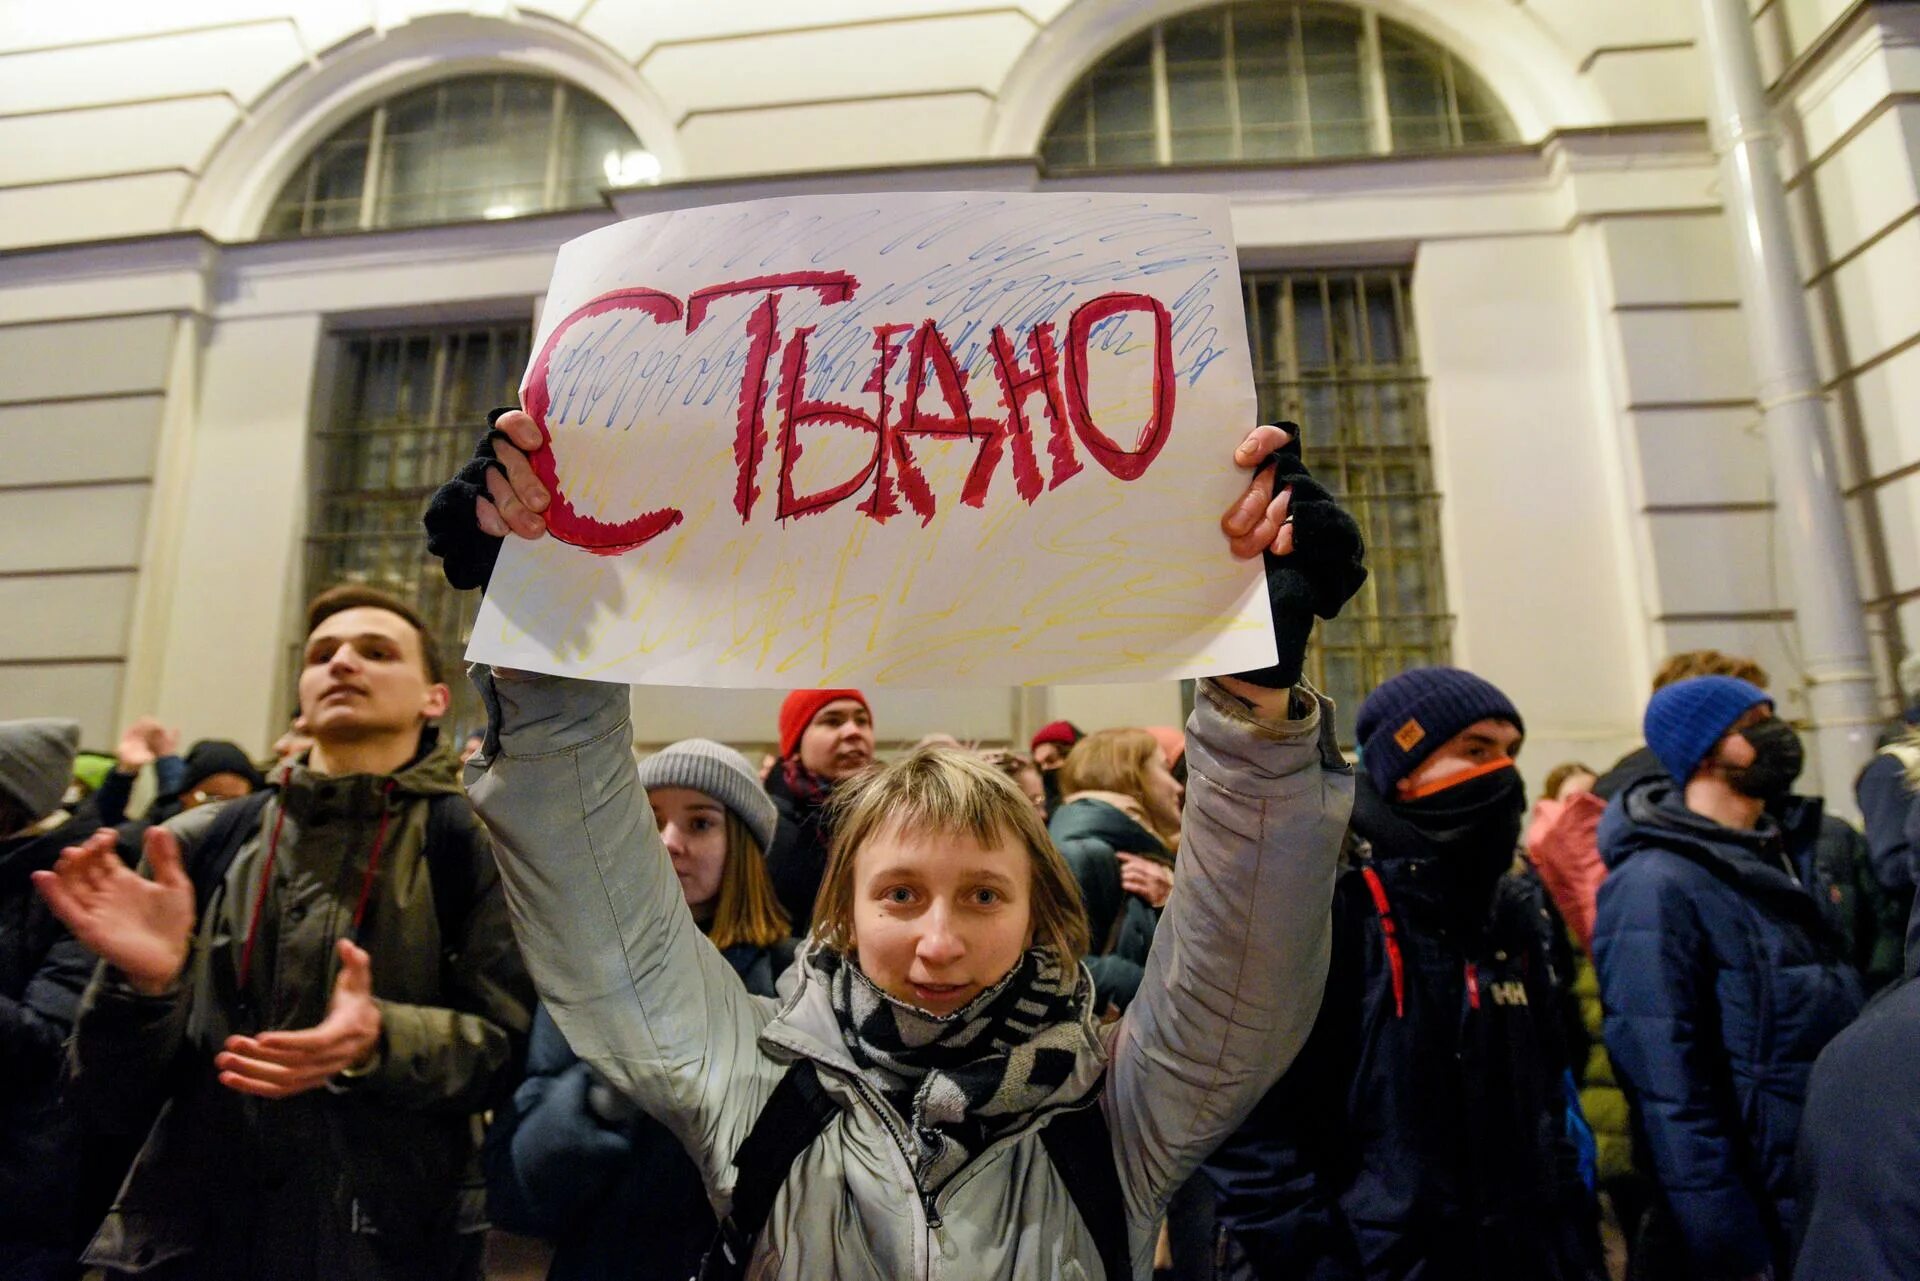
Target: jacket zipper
889,1120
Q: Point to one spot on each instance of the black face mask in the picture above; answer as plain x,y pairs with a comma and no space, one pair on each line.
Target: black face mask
1470,829
1778,758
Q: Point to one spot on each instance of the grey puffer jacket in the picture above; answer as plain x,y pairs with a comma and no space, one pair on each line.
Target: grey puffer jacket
1230,993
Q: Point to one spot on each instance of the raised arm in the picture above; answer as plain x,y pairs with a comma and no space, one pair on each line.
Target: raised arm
632,985
1234,981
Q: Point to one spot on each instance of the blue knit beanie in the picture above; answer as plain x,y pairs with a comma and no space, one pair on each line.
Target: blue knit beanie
1688,717
1407,718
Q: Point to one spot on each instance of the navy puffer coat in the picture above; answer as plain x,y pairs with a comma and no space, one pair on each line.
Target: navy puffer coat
1722,982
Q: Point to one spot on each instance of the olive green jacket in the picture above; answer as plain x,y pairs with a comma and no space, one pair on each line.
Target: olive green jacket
376,1177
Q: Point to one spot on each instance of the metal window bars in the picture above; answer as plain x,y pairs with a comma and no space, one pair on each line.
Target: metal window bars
409,407
486,146
1249,82
1336,353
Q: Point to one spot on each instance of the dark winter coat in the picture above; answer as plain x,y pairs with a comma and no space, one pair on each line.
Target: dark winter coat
1638,766
116,790
797,860
1419,1137
1091,834
1723,980
1832,858
1859,1148
619,1202
43,970
375,1178
1885,802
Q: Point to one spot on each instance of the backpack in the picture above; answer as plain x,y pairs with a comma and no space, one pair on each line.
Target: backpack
1077,1141
449,819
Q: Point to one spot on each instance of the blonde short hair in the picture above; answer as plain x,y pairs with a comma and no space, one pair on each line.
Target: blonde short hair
939,791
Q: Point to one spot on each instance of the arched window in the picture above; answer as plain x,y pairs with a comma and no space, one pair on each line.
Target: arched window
486,146
1271,82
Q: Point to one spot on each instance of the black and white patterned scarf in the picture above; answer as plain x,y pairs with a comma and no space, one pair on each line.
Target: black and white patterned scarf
963,1079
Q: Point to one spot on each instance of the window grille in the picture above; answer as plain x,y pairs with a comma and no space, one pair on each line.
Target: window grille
491,146
1271,82
1335,352
409,406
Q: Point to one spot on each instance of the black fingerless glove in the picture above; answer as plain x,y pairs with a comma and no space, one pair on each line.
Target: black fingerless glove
466,551
1327,566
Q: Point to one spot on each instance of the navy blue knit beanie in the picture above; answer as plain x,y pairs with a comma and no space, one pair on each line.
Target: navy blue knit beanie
1688,717
1407,718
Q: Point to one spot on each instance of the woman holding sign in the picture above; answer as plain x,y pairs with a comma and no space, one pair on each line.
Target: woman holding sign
934,1097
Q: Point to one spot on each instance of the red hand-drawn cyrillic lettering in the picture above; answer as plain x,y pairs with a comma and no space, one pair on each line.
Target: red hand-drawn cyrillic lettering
1126,464
608,538
1016,384
1064,402
797,410
750,441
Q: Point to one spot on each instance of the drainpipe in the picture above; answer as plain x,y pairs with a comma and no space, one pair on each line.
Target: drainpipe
1812,522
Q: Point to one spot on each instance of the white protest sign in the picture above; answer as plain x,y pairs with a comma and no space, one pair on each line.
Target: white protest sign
918,440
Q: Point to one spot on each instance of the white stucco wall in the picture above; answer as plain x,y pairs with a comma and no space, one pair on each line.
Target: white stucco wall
1605,497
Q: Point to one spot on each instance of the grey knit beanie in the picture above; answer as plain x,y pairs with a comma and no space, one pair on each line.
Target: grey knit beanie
36,763
720,772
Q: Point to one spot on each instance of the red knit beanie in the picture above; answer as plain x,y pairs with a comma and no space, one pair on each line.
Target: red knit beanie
802,706
1065,733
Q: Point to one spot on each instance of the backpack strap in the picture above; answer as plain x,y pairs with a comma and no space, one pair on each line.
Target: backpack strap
792,1118
451,832
1082,1151
1390,936
207,862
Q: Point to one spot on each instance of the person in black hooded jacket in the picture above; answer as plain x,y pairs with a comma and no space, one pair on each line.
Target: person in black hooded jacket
1423,1133
1723,979
1859,1145
43,970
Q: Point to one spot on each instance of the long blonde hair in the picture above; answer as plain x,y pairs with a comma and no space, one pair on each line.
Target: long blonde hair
937,790
1119,760
745,909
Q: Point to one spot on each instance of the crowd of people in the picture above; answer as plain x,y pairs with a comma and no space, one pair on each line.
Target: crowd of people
1212,1002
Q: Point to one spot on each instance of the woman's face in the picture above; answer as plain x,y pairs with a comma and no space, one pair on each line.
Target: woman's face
693,826
1034,789
838,742
937,919
1164,793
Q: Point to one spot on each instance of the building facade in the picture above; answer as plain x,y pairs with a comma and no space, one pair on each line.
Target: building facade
263,267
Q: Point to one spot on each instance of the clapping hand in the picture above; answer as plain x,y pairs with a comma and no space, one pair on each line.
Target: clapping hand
141,927
279,1065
